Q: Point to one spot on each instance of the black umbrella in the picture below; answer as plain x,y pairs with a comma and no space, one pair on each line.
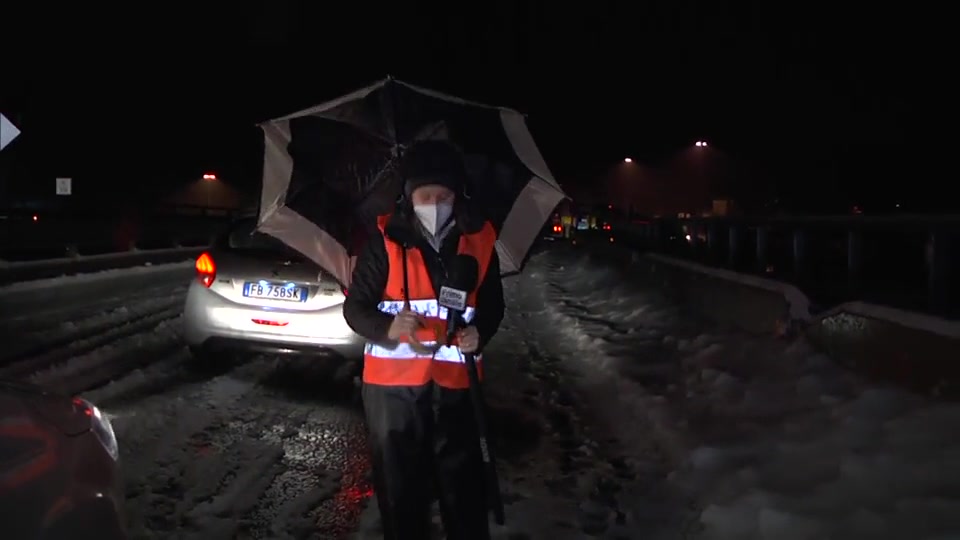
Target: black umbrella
331,169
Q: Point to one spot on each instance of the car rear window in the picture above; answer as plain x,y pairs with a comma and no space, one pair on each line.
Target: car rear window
243,237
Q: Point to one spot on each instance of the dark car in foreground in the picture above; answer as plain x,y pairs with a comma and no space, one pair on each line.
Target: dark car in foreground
59,470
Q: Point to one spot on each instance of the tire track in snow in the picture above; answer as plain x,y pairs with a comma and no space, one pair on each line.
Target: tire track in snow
231,457
51,319
566,329
89,347
162,451
123,359
65,333
146,380
115,358
320,485
293,485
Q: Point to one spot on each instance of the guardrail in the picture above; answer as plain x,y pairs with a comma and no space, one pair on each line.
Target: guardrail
56,236
15,272
901,261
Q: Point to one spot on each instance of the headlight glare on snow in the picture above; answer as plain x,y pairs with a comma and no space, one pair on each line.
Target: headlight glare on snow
101,427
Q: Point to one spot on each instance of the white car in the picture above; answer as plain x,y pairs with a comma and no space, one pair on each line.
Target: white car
253,293
59,470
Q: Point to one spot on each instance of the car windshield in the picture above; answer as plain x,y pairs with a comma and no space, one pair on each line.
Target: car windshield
244,237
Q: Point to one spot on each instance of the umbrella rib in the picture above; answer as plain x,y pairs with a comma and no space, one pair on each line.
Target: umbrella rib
355,126
396,158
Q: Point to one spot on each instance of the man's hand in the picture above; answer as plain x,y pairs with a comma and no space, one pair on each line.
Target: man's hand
404,324
469,339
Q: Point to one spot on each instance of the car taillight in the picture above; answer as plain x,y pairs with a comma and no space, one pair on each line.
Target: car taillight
344,289
269,322
206,269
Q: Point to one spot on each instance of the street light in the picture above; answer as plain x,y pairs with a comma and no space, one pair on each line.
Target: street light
627,160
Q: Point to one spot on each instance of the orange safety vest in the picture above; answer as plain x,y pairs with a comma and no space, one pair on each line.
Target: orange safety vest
402,365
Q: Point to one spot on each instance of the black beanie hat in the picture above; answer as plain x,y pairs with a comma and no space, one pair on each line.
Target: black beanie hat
432,163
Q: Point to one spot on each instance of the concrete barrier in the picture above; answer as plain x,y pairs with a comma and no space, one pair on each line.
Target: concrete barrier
107,231
753,304
749,303
15,272
919,351
911,349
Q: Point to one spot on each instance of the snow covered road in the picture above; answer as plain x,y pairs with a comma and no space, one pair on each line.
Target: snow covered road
763,437
259,449
254,453
617,415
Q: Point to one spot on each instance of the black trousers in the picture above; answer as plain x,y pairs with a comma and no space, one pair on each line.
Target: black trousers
424,441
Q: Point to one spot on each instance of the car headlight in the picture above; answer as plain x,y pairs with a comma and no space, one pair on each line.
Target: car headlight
101,427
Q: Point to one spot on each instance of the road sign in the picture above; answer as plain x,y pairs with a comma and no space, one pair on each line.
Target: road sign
8,131
64,186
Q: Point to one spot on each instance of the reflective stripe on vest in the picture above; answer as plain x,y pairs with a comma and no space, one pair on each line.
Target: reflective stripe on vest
403,351
402,365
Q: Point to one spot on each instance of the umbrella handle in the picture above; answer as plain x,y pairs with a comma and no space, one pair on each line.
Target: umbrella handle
396,140
406,279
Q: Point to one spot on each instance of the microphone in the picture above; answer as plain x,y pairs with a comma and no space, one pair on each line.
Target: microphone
463,276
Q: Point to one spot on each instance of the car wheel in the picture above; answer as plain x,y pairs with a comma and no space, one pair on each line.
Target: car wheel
353,381
347,371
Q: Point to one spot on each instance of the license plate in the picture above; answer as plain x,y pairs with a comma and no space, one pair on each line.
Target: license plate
274,291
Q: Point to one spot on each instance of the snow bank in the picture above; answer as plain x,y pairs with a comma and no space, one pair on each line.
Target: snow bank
46,298
112,359
82,279
770,438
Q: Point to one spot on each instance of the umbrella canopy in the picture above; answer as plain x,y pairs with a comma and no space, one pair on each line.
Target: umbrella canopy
331,169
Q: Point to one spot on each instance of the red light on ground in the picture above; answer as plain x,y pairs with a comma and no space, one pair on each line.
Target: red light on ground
209,176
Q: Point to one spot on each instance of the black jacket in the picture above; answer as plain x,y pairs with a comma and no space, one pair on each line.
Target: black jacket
370,279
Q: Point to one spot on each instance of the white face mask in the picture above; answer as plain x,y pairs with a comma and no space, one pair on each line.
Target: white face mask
433,216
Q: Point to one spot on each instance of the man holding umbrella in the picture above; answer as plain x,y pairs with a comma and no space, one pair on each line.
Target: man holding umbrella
422,431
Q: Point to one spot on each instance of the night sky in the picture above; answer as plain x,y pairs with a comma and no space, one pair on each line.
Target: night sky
823,101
